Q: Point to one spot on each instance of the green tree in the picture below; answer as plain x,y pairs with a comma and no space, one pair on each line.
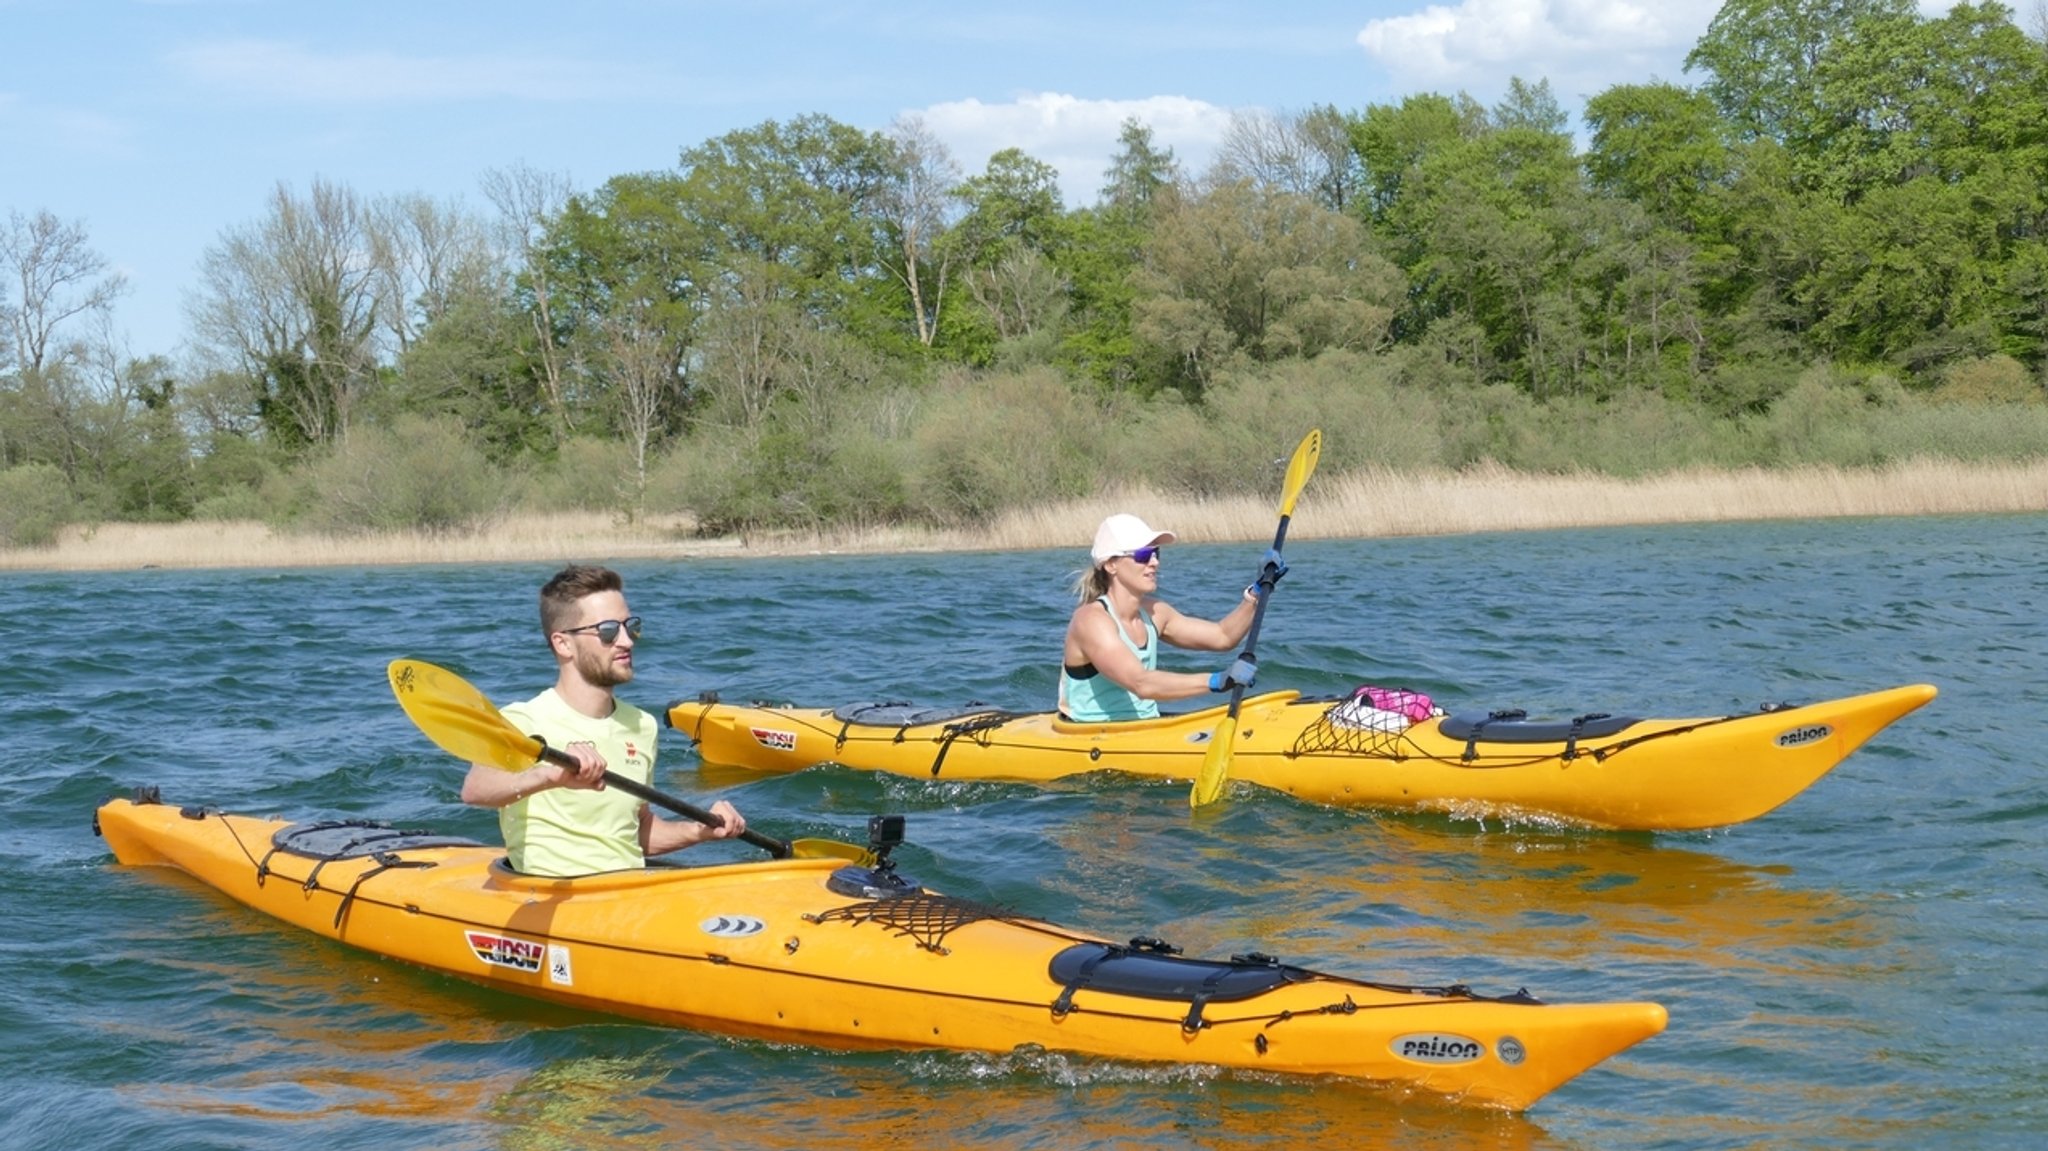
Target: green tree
1489,229
1138,171
143,464
1010,237
1106,244
630,281
1245,272
805,203
1904,98
1763,59
1662,147
1393,140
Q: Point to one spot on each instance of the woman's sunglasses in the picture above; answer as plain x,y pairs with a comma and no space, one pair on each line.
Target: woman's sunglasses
1143,555
608,630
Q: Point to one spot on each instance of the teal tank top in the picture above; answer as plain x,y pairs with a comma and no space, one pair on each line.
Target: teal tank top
1095,698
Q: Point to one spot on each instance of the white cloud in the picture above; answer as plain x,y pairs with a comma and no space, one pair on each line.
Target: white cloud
276,69
1074,135
1581,46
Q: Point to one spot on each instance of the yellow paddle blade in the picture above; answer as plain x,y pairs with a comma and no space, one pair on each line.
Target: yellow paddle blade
1300,468
1215,771
457,717
831,849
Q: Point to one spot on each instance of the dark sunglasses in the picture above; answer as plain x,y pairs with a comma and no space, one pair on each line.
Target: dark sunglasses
608,630
1143,555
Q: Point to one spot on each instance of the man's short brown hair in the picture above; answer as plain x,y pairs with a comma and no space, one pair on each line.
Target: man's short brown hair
559,596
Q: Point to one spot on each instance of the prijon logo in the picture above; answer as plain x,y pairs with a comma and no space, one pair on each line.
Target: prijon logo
731,926
1801,736
1436,1047
505,951
774,740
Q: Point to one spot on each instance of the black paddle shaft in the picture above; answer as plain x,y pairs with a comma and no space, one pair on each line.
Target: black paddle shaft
1251,636
638,790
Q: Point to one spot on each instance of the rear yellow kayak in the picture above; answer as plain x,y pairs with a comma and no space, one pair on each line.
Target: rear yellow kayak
816,951
1598,771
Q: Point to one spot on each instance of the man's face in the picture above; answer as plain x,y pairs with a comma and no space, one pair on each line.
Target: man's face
597,662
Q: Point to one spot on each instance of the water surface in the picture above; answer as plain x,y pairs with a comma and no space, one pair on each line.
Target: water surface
1861,968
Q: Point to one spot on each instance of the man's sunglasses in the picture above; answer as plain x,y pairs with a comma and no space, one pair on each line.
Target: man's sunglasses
1143,555
608,630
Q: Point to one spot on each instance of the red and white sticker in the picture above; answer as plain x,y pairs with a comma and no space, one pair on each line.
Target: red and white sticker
506,951
774,740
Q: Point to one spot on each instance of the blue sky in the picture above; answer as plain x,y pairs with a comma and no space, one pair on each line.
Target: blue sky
158,124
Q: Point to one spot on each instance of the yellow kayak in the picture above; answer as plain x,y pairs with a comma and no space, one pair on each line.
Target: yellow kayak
839,955
1603,771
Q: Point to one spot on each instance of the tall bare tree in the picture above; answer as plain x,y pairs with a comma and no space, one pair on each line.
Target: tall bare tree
642,356
437,254
745,345
56,277
528,203
299,299
58,325
919,206
1022,293
1308,154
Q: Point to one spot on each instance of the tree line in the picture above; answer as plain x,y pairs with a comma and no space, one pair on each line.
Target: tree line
805,323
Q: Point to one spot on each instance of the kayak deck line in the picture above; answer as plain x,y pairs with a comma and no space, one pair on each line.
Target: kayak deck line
844,956
1596,769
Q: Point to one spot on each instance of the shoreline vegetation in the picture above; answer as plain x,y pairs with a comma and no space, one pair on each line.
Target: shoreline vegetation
808,336
1372,503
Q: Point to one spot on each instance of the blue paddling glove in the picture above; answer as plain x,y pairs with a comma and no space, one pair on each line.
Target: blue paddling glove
1269,574
1242,673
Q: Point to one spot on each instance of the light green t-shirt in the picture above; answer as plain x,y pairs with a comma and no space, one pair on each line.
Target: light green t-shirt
568,831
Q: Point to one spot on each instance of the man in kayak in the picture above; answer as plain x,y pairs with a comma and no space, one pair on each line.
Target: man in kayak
566,823
1110,670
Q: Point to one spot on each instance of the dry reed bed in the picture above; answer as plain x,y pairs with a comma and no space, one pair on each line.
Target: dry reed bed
1359,505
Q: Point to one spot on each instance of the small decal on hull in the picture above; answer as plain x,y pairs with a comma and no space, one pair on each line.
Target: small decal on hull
1510,1050
505,951
1199,736
774,740
558,966
1801,736
732,926
1437,1047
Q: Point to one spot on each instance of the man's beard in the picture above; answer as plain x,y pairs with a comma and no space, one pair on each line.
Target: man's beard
599,670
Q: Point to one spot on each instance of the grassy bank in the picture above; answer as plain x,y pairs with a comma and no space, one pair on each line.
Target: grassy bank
1363,504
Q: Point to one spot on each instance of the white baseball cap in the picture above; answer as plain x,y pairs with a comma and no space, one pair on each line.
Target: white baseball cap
1122,534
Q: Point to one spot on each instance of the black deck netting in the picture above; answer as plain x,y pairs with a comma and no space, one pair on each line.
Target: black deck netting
1371,721
924,916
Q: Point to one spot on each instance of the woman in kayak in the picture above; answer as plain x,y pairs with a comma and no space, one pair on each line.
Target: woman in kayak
562,822
1110,670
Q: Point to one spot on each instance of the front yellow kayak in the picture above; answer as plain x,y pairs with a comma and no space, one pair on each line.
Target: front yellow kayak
1601,771
825,953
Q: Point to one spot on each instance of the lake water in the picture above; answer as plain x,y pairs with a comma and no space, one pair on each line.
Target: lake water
1861,968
